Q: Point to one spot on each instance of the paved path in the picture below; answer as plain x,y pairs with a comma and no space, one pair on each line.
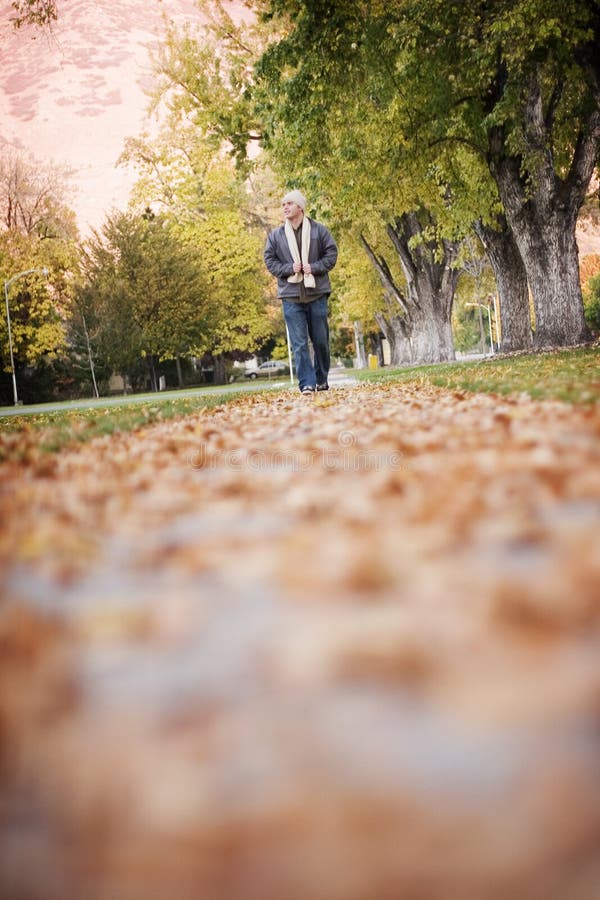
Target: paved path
330,648
338,378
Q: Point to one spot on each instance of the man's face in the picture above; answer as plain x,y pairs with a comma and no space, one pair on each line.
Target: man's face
291,210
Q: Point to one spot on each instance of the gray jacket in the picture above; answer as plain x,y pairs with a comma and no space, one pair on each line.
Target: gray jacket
322,257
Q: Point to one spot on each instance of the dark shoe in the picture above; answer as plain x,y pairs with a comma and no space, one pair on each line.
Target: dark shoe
307,389
323,387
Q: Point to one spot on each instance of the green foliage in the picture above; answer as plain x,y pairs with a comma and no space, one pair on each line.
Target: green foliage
143,293
231,259
203,77
358,293
425,82
389,108
38,233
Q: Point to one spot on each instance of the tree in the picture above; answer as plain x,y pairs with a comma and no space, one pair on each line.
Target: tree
519,84
231,258
207,203
144,292
37,326
203,76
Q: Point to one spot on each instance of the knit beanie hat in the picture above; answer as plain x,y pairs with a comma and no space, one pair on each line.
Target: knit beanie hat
296,197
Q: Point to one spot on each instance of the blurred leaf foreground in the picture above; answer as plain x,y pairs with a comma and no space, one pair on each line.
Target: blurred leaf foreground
337,648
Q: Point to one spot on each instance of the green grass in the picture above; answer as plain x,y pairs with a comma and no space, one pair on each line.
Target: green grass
569,375
51,431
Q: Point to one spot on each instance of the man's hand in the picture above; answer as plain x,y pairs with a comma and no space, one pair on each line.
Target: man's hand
297,268
307,269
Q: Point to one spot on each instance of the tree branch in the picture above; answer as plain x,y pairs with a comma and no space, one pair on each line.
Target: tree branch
384,273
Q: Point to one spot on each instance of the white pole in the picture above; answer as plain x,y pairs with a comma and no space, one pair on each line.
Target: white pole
497,318
90,357
7,284
287,337
491,335
10,345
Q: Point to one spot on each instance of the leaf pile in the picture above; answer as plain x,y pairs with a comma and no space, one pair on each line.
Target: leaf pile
313,649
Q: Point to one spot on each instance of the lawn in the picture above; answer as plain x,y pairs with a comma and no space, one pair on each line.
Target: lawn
51,431
569,375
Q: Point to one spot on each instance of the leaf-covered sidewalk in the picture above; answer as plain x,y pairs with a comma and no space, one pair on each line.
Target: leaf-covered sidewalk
338,648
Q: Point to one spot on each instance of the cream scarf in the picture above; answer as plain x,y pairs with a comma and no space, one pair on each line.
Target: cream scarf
309,280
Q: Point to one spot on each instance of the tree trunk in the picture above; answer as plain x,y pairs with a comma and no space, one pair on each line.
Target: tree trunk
219,376
550,253
151,372
431,281
395,321
394,329
419,318
179,372
511,281
359,343
431,338
541,208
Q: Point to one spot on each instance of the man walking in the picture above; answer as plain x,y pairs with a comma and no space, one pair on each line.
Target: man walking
300,254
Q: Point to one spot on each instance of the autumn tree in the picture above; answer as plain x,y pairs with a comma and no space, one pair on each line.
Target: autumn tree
34,196
37,231
36,324
34,12
201,194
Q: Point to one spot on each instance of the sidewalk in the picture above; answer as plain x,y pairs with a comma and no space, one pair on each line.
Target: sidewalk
338,376
332,648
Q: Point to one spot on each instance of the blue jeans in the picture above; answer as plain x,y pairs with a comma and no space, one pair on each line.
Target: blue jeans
309,321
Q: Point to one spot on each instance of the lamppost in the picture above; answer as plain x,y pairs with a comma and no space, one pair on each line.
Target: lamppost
7,284
483,306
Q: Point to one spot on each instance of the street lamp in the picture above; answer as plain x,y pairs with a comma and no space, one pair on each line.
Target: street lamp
7,284
483,306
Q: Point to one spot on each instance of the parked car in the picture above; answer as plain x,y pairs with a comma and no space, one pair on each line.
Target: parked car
269,369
